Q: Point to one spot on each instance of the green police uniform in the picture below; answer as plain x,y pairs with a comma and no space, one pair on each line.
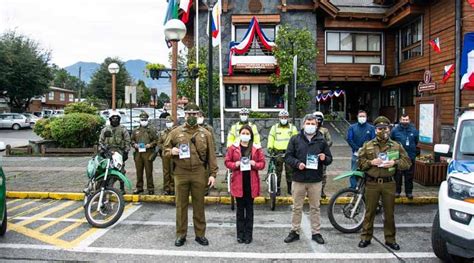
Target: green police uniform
146,137
119,141
278,139
379,180
168,179
190,172
327,138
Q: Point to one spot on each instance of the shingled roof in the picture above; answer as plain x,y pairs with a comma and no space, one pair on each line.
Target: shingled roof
360,6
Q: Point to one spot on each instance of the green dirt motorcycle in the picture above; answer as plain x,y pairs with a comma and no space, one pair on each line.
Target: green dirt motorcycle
103,203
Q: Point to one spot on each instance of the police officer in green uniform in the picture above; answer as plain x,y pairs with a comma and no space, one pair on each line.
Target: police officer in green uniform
327,137
379,159
192,149
278,138
119,141
167,163
144,141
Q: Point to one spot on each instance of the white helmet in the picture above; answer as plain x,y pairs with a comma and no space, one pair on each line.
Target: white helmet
244,111
318,113
283,113
114,113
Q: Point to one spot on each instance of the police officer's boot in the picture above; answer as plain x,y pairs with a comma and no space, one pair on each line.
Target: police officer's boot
288,184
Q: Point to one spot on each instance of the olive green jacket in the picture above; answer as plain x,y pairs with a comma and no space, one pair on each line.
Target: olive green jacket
371,149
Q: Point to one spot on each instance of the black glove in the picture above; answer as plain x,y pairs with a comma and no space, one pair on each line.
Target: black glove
125,156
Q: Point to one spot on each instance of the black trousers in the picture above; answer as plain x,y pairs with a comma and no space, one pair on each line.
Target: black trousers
244,217
408,174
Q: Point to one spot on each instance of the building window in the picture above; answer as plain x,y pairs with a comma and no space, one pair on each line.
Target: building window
389,98
270,97
354,47
51,95
257,48
408,96
62,96
71,97
238,96
410,40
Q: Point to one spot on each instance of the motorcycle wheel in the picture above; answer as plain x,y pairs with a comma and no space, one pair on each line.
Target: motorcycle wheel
110,210
340,214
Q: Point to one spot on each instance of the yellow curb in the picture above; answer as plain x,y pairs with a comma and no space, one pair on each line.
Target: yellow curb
225,200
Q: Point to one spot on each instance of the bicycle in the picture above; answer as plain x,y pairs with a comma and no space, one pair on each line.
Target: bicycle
347,214
271,179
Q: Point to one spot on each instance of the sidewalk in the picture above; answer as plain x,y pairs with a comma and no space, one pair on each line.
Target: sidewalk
67,175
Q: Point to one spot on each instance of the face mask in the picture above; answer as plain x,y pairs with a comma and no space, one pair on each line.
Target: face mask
284,121
244,118
310,129
362,120
143,123
404,124
115,122
169,125
200,120
245,137
191,120
383,135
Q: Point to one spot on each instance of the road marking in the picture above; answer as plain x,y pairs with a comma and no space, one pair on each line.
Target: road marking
31,210
21,206
38,235
222,254
43,227
9,202
93,234
45,213
67,229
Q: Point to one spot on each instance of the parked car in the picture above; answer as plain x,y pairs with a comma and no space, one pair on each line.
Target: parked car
152,112
452,236
124,120
33,118
14,121
3,198
135,114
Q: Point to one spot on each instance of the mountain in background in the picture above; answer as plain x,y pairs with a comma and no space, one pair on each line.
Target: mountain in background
135,68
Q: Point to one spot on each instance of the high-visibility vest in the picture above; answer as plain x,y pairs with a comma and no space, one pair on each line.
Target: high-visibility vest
234,134
279,136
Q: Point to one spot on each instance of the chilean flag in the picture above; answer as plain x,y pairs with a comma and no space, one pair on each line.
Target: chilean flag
448,70
435,45
185,5
216,24
467,62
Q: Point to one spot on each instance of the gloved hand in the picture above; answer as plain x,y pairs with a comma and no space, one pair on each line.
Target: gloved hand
125,156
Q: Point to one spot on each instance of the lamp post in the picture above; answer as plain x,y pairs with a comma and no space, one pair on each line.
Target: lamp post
113,69
175,30
209,69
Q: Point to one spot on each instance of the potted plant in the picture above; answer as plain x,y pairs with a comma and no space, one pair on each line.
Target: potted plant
155,70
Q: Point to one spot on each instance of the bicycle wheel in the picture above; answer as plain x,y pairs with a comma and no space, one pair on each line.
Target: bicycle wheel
232,203
232,199
348,215
273,191
110,210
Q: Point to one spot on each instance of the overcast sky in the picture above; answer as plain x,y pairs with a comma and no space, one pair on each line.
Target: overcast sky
90,30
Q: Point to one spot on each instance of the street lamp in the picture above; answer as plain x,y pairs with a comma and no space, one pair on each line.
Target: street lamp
113,69
175,30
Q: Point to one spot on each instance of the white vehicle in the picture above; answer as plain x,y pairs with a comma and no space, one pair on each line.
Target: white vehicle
124,119
452,236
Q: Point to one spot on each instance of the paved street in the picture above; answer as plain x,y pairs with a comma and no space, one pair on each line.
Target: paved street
57,230
17,138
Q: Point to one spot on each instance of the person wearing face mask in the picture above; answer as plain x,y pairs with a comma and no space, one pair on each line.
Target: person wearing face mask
245,158
191,148
327,137
278,139
380,158
168,179
233,134
406,134
119,141
144,140
307,153
357,134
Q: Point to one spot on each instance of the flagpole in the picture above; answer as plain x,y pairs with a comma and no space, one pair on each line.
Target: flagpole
196,41
221,82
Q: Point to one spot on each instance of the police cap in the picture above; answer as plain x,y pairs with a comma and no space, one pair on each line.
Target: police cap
192,108
381,122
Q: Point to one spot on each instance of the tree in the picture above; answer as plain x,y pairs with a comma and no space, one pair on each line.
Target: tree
80,107
63,79
101,83
289,42
143,93
161,100
24,70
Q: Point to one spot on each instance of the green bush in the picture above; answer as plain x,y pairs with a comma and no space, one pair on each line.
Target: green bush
259,115
80,107
76,129
43,128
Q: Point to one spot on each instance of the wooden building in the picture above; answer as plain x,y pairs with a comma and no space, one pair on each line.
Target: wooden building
55,99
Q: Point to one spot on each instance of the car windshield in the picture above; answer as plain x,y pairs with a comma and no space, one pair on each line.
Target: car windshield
465,148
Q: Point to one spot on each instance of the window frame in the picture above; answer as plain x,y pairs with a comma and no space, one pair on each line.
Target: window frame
411,46
263,25
62,96
51,95
354,52
71,97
